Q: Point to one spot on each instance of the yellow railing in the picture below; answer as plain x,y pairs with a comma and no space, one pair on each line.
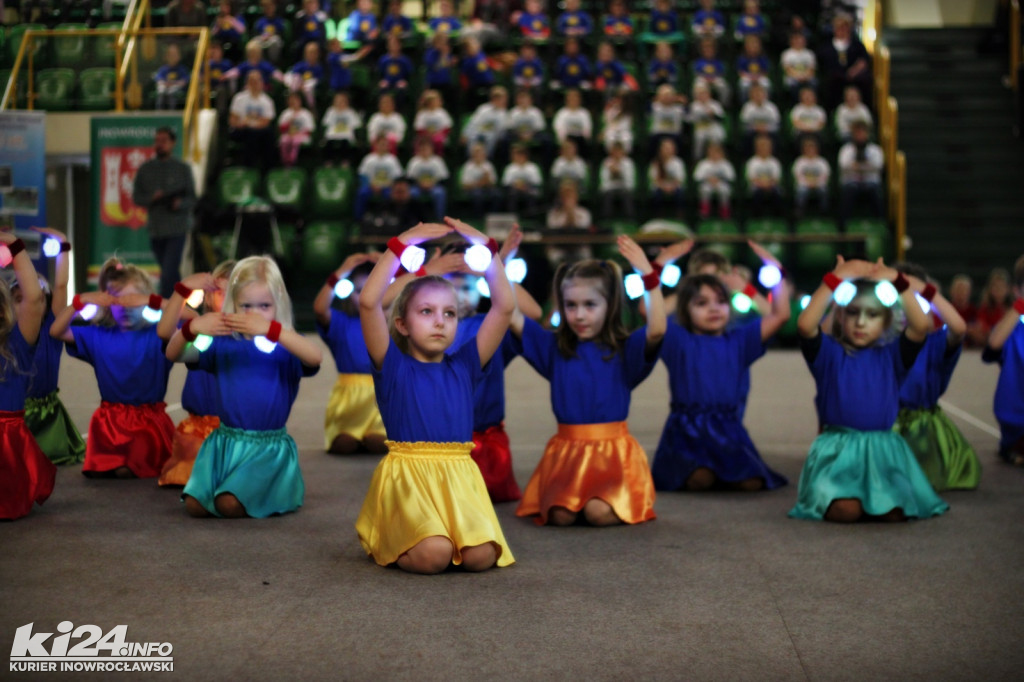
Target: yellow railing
1015,46
899,198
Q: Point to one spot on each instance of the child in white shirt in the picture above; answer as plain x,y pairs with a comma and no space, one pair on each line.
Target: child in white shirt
479,180
799,65
295,128
852,109
715,175
428,171
522,181
340,123
764,179
569,167
377,173
387,123
810,177
574,122
617,182
706,116
432,121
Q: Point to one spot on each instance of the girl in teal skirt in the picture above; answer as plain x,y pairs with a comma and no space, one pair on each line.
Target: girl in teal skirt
858,467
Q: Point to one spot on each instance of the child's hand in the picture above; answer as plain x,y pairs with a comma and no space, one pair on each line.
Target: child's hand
200,280
249,324
511,245
852,269
673,252
632,252
210,324
446,264
132,300
50,231
100,298
7,237
764,254
880,271
354,261
468,231
424,232
734,281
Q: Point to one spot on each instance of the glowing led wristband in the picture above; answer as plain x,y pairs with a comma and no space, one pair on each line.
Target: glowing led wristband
410,256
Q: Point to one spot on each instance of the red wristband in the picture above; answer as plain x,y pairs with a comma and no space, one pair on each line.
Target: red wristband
187,333
901,283
396,246
831,280
76,303
65,247
929,291
492,244
750,291
182,290
274,333
155,301
652,279
16,247
333,279
1018,305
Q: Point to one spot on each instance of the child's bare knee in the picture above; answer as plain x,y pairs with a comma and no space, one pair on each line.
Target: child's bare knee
844,511
229,507
375,445
194,508
343,444
430,555
600,513
560,516
701,479
480,557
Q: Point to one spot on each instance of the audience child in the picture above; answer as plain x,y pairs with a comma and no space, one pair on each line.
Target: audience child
428,172
609,73
1005,346
295,128
714,176
573,70
387,123
479,180
706,115
533,23
340,123
569,167
799,66
616,124
708,21
668,115
432,121
522,181
751,22
850,111
763,174
617,183
488,123
445,21
574,21
709,70
666,178
811,173
270,30
662,69
171,80
753,67
860,173
307,74
377,172
573,122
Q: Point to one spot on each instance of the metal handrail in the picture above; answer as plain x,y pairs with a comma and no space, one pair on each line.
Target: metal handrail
129,33
901,205
192,98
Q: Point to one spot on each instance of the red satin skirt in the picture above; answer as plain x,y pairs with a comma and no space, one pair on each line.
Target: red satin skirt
26,475
584,461
134,436
492,453
188,438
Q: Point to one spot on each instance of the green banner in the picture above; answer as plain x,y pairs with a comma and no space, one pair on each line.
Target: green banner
120,144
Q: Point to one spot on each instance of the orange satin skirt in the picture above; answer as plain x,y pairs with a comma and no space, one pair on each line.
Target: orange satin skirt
188,438
584,461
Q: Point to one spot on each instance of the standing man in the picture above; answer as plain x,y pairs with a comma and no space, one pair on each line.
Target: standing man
164,187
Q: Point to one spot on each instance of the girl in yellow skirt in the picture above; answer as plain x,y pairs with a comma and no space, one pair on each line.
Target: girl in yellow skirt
593,465
199,395
427,506
352,423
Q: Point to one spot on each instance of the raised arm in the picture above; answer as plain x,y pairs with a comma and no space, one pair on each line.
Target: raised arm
210,324
1001,332
61,269
438,265
371,310
956,327
175,305
657,322
33,305
297,344
808,325
918,324
322,302
778,310
503,304
61,327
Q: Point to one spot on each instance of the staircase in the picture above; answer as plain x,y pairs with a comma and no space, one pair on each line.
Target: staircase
965,169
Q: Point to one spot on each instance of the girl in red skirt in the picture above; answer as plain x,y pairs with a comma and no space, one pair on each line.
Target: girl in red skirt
26,475
130,433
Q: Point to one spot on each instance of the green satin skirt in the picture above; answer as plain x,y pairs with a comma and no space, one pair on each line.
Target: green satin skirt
946,457
51,425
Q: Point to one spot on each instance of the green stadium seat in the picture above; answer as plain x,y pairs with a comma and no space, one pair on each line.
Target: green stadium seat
53,89
104,48
816,256
712,228
286,188
237,185
322,242
332,192
877,244
14,37
765,231
69,51
96,88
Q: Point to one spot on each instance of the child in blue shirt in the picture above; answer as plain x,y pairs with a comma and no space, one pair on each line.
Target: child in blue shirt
249,465
528,70
310,25
442,66
477,76
394,69
533,23
708,68
663,23
362,23
574,21
270,30
618,24
446,21
751,22
609,73
306,75
1006,346
228,29
171,80
662,69
708,22
573,69
395,23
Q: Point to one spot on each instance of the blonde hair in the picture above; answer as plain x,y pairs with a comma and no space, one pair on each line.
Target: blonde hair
116,274
401,305
263,270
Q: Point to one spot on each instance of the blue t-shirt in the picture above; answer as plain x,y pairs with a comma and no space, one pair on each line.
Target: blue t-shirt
1008,404
199,394
445,24
528,68
489,397
664,23
341,75
310,27
571,71
428,401
172,75
662,72
590,388
618,26
613,72
45,361
439,67
130,366
360,26
308,71
265,68
256,389
755,66
344,338
710,370
533,25
579,22
16,377
750,25
708,20
476,70
400,25
227,33
218,68
270,26
929,376
710,69
394,69
860,389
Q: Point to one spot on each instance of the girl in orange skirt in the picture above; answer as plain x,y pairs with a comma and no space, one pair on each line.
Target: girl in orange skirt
593,465
130,433
26,475
199,395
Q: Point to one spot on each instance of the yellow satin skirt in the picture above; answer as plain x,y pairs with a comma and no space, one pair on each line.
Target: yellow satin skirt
584,461
188,438
352,409
420,490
